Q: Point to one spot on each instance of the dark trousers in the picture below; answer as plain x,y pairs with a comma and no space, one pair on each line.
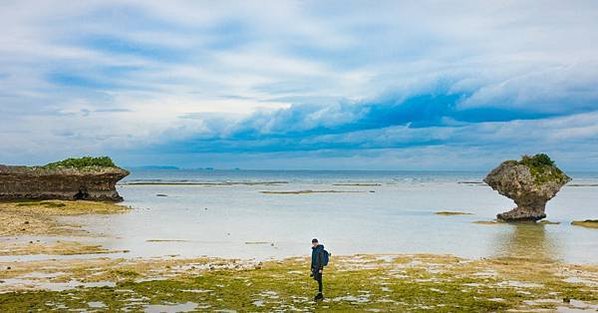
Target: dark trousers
318,278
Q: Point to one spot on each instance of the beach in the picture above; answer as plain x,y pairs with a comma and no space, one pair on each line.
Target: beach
208,240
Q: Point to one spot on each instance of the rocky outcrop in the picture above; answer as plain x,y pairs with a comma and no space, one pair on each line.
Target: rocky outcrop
530,182
95,183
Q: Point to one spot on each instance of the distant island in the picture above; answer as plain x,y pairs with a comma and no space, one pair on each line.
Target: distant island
154,167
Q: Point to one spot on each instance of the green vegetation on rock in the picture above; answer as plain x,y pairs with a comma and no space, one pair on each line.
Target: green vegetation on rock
538,160
543,168
83,162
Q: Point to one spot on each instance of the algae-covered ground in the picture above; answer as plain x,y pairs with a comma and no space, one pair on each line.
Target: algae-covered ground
451,213
40,217
58,247
22,223
586,223
359,283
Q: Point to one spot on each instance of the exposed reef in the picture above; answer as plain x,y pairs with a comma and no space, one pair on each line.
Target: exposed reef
586,223
530,182
451,213
72,179
302,192
357,283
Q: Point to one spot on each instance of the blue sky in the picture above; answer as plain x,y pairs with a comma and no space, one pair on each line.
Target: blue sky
457,85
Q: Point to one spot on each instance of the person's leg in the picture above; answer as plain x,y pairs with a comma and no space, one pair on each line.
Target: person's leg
318,278
320,282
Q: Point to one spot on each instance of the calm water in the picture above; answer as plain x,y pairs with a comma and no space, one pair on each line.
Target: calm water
228,215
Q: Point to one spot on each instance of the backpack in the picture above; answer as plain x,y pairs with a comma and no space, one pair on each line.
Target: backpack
325,257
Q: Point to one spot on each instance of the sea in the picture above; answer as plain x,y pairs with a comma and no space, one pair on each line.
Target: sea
258,214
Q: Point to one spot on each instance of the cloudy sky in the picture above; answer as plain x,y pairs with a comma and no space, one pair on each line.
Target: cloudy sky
300,84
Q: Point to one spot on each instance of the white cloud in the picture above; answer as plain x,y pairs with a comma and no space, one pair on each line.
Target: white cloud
190,58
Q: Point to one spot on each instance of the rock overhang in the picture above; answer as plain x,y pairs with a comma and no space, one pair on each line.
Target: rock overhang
89,182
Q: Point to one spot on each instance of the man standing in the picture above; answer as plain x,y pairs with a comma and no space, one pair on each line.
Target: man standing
317,265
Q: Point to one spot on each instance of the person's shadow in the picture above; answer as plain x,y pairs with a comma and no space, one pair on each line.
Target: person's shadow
527,241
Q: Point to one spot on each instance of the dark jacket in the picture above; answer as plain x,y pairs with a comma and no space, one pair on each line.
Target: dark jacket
316,258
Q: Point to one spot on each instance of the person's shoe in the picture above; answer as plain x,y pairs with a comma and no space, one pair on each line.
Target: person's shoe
319,297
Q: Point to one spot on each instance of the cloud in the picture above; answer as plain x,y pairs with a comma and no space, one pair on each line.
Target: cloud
297,77
386,122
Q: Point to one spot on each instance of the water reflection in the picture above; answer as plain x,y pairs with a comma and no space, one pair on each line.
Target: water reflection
531,241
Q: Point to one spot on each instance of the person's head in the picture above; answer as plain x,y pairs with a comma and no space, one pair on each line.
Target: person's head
314,242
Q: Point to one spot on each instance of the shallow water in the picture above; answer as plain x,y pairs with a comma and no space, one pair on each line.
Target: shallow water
226,214
166,308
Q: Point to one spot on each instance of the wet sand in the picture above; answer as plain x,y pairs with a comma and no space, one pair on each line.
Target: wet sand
40,217
52,248
31,227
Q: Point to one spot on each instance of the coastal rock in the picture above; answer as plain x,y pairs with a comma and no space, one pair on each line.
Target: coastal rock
530,182
64,181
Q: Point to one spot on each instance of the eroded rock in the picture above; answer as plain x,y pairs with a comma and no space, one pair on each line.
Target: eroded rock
63,182
530,182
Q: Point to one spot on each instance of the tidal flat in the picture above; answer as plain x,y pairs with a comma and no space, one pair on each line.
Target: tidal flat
358,283
40,217
221,246
31,227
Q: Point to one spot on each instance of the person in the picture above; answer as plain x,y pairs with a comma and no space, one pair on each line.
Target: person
317,266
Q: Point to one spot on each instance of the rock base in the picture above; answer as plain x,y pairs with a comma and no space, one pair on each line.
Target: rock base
519,214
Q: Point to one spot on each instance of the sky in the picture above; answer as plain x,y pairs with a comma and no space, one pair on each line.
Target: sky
395,85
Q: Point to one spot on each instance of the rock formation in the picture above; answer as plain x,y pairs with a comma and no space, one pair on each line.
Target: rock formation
530,182
73,179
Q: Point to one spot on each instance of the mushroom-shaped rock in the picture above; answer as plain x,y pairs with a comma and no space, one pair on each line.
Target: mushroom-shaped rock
530,182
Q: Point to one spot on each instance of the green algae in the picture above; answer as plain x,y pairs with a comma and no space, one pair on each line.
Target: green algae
439,284
547,222
586,223
491,222
451,213
46,204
